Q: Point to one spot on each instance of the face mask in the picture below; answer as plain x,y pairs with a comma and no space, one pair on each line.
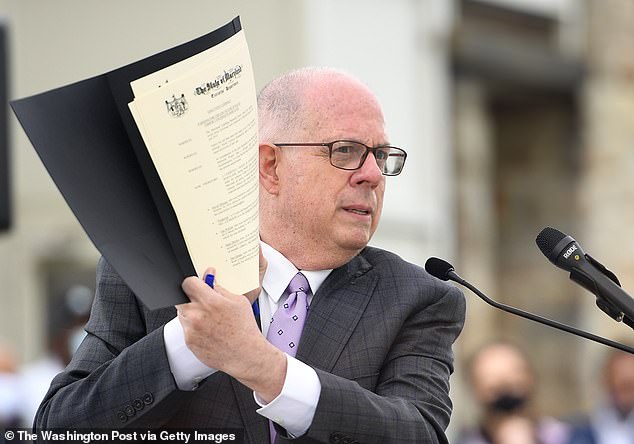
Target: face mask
624,411
507,403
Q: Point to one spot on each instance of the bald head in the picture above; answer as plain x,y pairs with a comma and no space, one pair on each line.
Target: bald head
287,105
500,368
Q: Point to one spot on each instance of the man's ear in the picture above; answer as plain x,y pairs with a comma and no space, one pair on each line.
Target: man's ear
269,160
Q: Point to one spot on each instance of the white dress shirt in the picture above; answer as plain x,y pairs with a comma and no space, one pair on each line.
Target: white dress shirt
294,408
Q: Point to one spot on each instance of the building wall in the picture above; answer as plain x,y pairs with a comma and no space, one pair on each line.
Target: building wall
537,146
400,51
607,190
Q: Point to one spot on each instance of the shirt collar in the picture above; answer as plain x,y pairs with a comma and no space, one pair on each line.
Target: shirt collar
280,271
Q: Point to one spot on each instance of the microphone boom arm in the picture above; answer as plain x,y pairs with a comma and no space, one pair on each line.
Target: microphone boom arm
536,318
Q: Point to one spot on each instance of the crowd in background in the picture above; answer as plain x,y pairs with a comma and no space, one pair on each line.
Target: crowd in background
504,385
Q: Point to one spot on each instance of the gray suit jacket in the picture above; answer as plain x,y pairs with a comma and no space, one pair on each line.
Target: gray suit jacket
379,335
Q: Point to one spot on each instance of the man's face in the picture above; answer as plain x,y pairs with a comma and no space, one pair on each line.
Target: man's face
620,381
333,212
500,370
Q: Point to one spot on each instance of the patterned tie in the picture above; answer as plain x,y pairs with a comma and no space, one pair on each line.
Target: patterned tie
288,321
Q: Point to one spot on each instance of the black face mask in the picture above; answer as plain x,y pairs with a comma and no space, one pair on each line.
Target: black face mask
624,414
507,403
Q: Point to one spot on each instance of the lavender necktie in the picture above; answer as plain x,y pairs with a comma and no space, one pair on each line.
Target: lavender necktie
288,321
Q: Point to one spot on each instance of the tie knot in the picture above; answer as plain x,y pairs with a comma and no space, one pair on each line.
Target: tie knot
298,283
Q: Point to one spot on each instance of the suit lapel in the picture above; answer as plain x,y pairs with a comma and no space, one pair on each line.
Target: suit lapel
335,312
256,426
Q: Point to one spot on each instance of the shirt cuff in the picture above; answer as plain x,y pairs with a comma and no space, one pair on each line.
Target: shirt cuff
294,408
186,368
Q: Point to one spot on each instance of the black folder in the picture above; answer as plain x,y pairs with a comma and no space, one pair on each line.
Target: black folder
88,141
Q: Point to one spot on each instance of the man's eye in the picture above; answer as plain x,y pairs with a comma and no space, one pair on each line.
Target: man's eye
344,149
381,155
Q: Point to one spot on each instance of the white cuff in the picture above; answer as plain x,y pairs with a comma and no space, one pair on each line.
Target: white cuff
294,408
187,369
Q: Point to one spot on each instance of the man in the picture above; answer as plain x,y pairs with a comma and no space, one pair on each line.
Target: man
10,393
374,358
612,422
503,384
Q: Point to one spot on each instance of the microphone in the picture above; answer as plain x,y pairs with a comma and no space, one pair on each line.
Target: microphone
563,251
445,271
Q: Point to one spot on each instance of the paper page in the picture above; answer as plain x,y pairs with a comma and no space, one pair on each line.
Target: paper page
158,79
200,129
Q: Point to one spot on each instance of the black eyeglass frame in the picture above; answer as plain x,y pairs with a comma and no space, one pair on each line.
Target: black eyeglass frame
368,149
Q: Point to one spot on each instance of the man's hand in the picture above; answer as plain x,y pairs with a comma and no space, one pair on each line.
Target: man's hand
221,331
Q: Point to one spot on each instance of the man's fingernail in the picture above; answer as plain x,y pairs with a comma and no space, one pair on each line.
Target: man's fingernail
209,280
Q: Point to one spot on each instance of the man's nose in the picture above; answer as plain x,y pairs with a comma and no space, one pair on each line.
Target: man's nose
369,172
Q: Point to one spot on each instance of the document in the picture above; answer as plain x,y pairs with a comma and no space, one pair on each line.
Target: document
202,141
198,119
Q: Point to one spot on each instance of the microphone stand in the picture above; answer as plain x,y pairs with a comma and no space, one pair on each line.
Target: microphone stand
539,319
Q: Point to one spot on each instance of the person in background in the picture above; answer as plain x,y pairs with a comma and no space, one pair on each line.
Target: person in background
10,396
503,384
68,321
612,422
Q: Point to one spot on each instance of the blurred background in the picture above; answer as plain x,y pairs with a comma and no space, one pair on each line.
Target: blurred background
516,115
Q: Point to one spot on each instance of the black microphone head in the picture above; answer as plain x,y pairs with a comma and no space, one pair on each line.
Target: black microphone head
438,268
560,249
547,239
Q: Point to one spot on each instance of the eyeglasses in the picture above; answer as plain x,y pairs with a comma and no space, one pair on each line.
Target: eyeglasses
350,155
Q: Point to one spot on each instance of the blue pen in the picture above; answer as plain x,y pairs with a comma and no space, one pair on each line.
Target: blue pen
256,313
209,280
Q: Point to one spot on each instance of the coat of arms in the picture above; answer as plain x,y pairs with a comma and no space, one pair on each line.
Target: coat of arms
177,106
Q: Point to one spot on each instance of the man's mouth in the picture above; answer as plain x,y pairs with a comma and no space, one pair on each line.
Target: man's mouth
358,210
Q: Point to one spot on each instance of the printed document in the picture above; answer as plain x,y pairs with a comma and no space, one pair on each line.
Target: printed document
198,119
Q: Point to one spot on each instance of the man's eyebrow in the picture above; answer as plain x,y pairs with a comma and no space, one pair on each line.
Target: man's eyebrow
352,139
